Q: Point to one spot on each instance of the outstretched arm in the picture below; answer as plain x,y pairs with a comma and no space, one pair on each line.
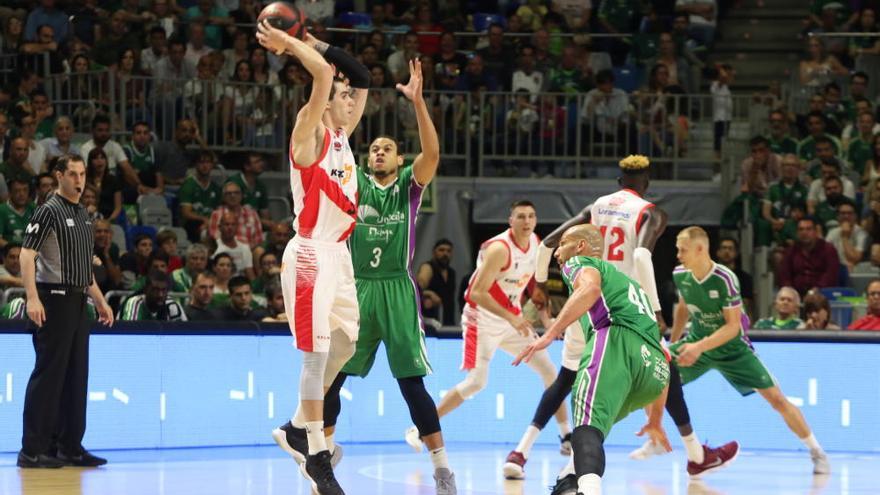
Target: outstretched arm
426,163
358,77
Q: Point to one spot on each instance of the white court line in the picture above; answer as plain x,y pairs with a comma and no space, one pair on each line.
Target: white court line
250,384
8,387
271,396
97,396
236,394
120,396
381,407
844,412
813,393
499,406
345,393
161,406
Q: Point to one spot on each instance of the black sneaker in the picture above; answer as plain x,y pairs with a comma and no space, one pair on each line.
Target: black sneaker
37,461
567,485
83,458
292,440
318,470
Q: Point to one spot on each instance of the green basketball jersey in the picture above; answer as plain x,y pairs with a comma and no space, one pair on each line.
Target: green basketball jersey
141,162
623,303
707,299
383,241
257,198
203,199
12,224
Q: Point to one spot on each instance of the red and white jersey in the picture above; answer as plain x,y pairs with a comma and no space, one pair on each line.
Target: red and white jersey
511,281
325,194
619,216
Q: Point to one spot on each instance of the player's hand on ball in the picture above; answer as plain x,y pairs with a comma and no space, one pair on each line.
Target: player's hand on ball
657,435
272,39
688,354
413,88
526,355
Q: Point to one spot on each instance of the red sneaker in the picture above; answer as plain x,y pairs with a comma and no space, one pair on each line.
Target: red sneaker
713,459
514,467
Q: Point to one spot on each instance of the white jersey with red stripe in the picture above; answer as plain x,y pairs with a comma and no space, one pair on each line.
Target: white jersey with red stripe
325,193
619,216
509,284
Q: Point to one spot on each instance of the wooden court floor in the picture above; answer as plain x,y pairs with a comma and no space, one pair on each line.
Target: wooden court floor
393,469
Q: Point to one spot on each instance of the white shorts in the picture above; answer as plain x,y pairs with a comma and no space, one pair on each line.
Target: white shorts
481,337
573,347
317,280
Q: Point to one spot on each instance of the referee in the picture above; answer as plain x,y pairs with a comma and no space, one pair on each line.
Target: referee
56,266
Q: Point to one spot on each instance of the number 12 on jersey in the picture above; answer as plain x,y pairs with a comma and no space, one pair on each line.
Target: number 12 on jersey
618,236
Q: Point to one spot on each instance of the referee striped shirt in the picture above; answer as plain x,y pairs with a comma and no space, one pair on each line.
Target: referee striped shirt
61,234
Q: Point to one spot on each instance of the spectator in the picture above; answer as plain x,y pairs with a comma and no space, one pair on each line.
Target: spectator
167,242
848,238
532,13
476,76
158,261
810,262
424,22
199,196
12,39
826,211
819,67
248,227
835,113
606,110
214,18
174,158
108,273
761,168
727,254
10,272
16,213
262,72
142,157
169,75
576,13
110,47
398,62
158,48
320,11
196,47
270,269
787,305
449,57
60,144
870,321
816,194
436,279
369,56
196,263
238,52
108,187
134,263
526,77
202,99
780,139
43,113
722,103
223,269
872,166
46,183
240,299
858,89
497,56
154,304
36,158
228,243
545,60
112,149
825,154
570,76
784,195
703,18
818,313
276,242
47,14
131,89
239,99
89,200
679,69
275,303
5,139
659,130
859,150
17,166
200,295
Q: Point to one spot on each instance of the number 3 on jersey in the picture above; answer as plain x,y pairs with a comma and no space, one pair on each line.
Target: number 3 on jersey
614,251
377,257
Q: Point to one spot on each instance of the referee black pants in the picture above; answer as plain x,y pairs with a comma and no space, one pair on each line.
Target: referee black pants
55,400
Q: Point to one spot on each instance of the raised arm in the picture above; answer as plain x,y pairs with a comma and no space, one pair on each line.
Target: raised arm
304,136
426,163
358,77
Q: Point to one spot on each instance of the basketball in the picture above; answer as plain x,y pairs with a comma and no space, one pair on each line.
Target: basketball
286,17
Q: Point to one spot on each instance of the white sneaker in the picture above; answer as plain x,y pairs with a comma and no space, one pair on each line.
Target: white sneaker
336,456
413,439
820,462
648,449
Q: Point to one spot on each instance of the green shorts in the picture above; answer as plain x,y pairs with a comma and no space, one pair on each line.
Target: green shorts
389,313
736,361
619,373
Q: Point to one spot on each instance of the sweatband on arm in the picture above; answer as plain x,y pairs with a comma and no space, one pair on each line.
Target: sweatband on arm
645,276
358,75
543,266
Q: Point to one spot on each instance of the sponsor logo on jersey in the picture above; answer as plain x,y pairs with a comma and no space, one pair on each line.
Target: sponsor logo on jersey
369,215
379,234
625,215
343,174
713,294
646,355
32,228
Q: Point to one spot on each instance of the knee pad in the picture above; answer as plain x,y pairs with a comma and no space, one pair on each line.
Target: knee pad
332,404
476,380
311,380
589,452
553,397
341,350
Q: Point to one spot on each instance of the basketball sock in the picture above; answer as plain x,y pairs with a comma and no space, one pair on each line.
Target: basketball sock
528,439
439,459
694,448
590,484
811,442
563,428
331,446
298,420
315,435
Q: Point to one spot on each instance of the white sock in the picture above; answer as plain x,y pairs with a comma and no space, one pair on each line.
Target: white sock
315,434
527,440
563,428
590,484
694,449
811,442
439,459
568,469
330,445
298,420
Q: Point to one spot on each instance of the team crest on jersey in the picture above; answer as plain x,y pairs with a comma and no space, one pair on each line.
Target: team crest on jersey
367,211
616,201
713,294
337,145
